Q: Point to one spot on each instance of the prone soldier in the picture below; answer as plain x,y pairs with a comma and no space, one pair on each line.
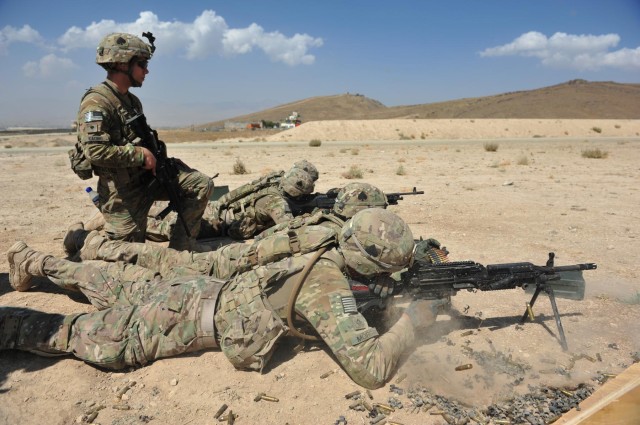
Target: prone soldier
304,292
239,214
86,245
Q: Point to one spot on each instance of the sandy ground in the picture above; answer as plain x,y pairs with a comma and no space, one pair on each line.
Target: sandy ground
536,194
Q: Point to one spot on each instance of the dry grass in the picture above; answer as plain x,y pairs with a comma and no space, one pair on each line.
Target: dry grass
490,147
354,172
239,167
594,154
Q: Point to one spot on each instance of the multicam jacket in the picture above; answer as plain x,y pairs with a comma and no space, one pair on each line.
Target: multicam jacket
106,140
250,208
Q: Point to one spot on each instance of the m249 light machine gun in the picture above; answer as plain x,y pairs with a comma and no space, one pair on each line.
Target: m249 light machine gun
441,281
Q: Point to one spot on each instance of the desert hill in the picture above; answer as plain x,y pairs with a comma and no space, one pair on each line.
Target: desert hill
574,99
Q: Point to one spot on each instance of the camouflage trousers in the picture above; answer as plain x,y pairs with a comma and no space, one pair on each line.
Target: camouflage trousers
137,322
161,229
126,207
167,262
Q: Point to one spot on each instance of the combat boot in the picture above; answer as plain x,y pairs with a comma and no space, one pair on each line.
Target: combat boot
74,239
24,263
35,331
91,243
96,222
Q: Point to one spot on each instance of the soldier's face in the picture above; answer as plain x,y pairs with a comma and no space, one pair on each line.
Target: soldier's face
139,71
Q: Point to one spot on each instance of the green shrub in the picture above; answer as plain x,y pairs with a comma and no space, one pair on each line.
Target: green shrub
596,129
400,171
315,143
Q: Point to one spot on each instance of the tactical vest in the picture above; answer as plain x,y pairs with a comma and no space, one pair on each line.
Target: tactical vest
81,165
246,319
245,196
315,218
278,246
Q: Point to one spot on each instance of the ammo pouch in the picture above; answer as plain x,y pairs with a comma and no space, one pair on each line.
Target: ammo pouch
79,162
248,326
243,197
275,247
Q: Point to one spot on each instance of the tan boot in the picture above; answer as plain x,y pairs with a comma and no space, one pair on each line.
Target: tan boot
96,222
24,263
91,243
74,239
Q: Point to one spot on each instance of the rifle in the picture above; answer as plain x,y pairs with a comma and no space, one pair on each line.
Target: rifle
308,203
430,281
394,197
166,169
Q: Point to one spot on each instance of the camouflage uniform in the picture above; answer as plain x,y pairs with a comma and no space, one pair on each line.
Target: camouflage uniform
126,190
246,210
349,200
146,320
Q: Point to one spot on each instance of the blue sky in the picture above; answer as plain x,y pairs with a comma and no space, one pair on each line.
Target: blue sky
220,59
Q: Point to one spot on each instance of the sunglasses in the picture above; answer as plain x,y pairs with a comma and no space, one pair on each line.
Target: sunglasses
142,64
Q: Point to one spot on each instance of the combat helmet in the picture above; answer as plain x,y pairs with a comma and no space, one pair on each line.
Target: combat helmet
376,240
122,47
305,165
358,196
296,182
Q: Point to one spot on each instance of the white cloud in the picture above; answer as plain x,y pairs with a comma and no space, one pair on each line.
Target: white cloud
563,50
10,35
49,66
291,51
208,34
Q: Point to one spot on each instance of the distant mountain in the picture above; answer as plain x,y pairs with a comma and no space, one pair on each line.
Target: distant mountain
573,99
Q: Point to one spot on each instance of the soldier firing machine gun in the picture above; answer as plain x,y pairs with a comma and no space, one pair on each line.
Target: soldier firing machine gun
437,281
308,203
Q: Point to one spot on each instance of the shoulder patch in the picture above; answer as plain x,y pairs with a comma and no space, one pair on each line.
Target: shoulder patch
349,305
92,116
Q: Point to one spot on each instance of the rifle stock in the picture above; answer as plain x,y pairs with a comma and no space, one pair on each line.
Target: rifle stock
166,170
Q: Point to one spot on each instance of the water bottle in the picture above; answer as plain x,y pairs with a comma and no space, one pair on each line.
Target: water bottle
93,195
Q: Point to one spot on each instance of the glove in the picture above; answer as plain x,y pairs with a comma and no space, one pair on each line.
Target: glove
382,286
333,192
423,312
424,246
